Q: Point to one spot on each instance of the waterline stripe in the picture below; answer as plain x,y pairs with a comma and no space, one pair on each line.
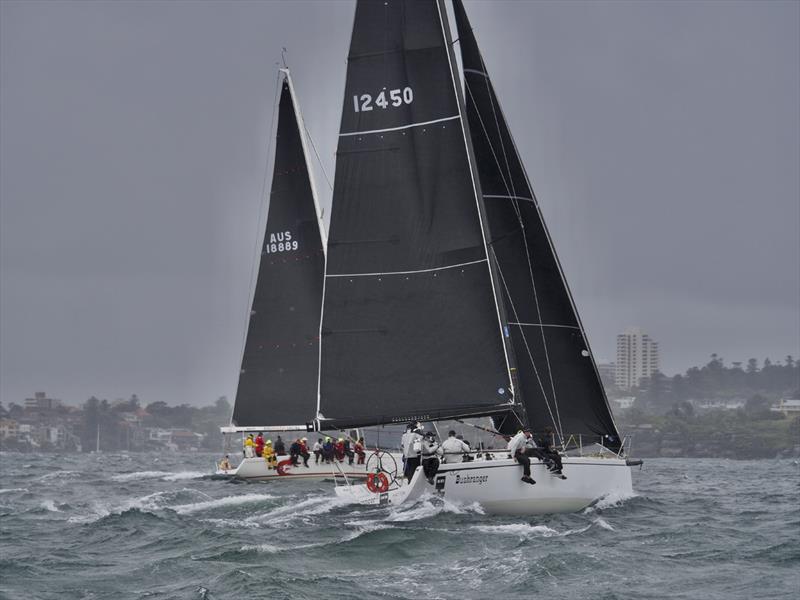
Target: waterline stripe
401,127
474,262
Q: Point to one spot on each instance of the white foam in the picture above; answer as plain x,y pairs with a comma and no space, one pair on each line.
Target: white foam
262,548
182,475
12,490
139,475
603,523
163,475
310,506
520,529
149,503
226,501
58,475
50,505
611,500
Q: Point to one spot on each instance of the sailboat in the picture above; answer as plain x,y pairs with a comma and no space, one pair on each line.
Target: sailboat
277,389
443,295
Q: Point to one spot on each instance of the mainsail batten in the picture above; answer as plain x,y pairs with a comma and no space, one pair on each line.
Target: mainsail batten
409,324
560,382
277,383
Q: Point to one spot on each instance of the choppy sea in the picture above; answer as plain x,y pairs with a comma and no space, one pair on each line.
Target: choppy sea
123,526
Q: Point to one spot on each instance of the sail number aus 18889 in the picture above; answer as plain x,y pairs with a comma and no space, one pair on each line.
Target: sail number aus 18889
395,98
280,242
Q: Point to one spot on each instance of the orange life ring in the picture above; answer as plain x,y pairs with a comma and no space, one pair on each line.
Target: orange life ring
377,483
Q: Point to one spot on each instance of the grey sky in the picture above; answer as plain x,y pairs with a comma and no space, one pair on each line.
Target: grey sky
663,140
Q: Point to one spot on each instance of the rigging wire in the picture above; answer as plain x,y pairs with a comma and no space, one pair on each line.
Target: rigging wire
524,236
556,421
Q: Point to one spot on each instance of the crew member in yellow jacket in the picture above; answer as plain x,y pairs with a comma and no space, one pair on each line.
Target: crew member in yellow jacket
269,455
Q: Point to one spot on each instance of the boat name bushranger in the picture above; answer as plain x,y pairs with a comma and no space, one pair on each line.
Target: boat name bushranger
479,479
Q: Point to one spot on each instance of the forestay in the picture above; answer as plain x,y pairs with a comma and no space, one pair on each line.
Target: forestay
278,380
410,324
559,382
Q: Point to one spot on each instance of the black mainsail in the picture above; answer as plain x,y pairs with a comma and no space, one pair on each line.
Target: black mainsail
278,380
559,381
410,327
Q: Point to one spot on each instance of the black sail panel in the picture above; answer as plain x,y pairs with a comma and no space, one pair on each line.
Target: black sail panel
410,327
558,380
278,381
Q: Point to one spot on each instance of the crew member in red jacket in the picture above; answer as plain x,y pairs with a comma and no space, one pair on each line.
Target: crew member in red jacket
359,449
259,444
304,451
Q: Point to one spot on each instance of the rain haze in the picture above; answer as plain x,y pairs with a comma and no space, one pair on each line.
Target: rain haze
662,138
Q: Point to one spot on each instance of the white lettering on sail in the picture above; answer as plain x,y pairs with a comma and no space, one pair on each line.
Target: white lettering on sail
398,97
280,242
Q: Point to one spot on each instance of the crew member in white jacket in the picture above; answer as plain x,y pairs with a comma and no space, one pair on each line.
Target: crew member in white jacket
517,447
453,449
412,444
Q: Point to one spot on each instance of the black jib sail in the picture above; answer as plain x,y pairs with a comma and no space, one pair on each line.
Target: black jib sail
410,327
278,381
559,381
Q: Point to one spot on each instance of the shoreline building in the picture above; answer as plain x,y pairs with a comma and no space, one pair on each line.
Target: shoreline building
637,358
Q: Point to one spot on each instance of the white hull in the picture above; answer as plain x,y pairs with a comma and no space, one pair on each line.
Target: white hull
258,469
497,487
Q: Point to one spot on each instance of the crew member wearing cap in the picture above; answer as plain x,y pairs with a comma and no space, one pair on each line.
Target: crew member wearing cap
454,449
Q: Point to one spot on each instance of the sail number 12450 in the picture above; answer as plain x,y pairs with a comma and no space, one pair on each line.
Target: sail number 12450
395,98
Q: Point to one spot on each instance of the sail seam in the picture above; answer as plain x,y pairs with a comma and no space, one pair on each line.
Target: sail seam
556,422
545,325
474,262
508,197
409,126
477,72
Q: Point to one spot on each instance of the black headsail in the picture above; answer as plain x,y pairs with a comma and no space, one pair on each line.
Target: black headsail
278,381
559,381
410,325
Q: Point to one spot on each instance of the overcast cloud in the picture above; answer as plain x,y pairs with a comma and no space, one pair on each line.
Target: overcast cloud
663,140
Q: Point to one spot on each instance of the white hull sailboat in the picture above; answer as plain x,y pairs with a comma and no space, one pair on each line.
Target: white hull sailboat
443,295
258,469
496,486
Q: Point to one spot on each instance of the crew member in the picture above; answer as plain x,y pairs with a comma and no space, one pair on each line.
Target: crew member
317,450
249,446
294,451
280,448
517,447
453,449
359,449
225,464
411,450
430,456
338,449
548,453
304,451
259,441
327,450
269,455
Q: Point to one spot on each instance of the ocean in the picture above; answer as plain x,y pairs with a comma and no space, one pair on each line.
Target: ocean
121,526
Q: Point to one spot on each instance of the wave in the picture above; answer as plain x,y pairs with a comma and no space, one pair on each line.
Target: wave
50,506
13,490
59,475
524,530
612,500
226,501
148,503
426,508
309,507
163,475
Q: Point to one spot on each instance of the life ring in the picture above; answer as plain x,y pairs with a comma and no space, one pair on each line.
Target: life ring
377,483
